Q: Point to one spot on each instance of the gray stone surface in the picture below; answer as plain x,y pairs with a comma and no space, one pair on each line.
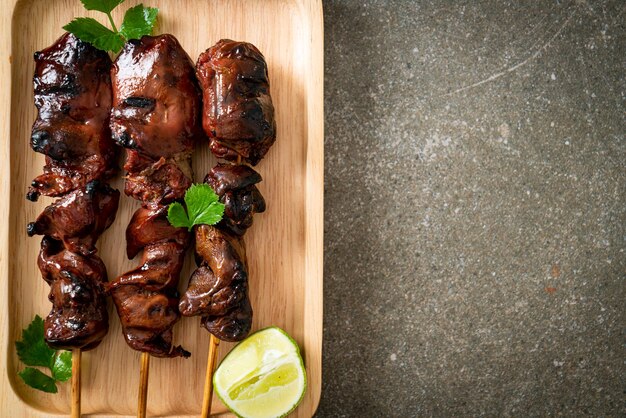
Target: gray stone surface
475,208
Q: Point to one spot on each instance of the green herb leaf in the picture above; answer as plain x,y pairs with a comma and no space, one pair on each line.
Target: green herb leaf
32,349
138,21
36,379
203,205
177,216
203,208
94,32
62,369
104,6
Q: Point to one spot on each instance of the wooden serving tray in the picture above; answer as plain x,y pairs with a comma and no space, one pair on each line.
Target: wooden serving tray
285,246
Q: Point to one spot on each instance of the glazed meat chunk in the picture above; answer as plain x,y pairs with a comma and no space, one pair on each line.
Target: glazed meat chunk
156,118
238,114
73,97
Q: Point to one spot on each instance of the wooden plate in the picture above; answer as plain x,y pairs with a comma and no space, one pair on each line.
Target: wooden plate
285,244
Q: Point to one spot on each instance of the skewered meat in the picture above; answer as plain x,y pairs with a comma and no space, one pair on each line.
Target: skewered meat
156,118
218,289
146,300
68,263
149,225
236,187
239,119
156,98
67,260
73,97
79,317
146,297
163,180
238,112
78,218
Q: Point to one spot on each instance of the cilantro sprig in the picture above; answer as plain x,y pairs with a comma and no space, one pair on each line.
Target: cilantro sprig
138,21
203,207
33,351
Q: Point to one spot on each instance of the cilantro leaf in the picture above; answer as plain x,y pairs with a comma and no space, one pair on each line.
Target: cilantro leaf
36,379
203,207
104,6
138,21
32,349
177,216
62,368
94,32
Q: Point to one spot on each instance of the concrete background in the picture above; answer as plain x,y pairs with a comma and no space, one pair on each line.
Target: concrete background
475,209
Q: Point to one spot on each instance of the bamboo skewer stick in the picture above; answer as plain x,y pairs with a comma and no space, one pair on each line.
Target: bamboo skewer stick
214,343
143,385
75,408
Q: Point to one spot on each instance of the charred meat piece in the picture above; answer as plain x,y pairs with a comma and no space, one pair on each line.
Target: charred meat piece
147,318
79,218
79,317
238,117
150,225
72,87
146,299
238,113
156,101
161,181
236,187
156,117
73,97
232,326
218,289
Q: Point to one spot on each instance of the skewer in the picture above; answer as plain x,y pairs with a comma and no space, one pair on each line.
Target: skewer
214,343
76,357
77,175
143,385
149,72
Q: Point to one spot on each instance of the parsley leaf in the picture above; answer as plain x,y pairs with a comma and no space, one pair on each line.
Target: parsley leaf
62,368
138,21
203,207
36,379
33,350
104,6
94,32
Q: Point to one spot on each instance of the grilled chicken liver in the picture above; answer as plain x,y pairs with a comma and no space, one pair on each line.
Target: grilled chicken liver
73,97
156,118
238,117
72,88
218,289
238,113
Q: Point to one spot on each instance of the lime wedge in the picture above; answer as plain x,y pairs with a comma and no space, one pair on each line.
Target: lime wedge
263,376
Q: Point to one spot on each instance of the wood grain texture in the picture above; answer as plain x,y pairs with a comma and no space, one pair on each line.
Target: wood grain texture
285,246
76,387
